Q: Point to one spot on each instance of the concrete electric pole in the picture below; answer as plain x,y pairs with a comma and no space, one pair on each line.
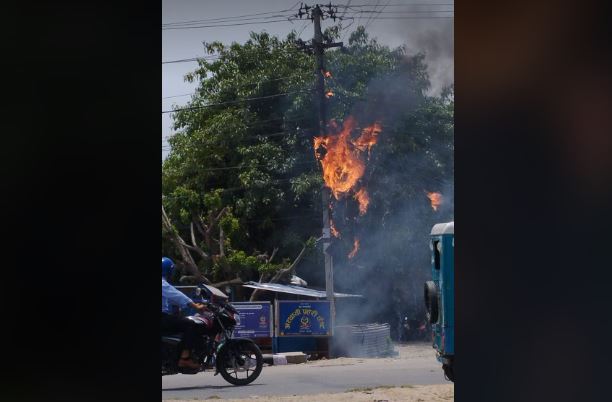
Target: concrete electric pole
318,47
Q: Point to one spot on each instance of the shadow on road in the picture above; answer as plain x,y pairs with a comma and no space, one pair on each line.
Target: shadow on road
204,387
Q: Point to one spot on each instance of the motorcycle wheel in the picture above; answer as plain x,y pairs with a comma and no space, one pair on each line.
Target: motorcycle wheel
240,364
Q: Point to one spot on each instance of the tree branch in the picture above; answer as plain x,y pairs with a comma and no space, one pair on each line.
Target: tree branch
272,256
195,245
180,244
195,279
280,274
236,281
221,242
200,225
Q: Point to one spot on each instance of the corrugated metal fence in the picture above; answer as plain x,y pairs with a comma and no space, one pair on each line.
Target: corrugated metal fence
365,340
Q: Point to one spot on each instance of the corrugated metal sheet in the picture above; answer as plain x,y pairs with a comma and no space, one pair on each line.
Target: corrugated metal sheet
294,290
368,340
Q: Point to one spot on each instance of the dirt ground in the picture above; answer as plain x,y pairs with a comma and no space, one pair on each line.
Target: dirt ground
408,393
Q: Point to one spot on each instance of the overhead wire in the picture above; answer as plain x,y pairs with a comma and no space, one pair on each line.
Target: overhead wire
395,5
229,18
259,122
233,102
371,15
215,57
228,25
240,86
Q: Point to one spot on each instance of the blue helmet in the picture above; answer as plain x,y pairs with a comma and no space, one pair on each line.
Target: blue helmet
167,267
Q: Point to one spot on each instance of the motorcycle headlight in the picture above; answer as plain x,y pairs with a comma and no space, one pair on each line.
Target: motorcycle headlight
237,318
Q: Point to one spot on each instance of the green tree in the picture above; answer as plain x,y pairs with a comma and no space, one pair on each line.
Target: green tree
241,187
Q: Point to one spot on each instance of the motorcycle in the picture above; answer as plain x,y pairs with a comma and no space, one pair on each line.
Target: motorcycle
238,360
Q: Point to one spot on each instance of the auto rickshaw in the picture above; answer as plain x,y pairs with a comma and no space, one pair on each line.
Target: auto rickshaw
440,295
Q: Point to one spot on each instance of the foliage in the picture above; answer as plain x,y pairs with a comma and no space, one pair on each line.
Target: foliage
255,157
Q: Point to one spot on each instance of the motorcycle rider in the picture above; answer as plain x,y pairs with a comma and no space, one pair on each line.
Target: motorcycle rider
174,323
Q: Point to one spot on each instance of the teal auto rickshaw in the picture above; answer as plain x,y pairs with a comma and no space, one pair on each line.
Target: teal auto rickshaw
440,295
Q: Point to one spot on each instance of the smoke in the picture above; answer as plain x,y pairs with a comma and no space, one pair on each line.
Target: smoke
394,258
432,37
437,42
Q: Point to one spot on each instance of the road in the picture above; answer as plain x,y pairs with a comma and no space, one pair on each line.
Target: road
415,365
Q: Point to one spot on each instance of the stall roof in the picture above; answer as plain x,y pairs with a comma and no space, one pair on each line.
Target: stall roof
294,290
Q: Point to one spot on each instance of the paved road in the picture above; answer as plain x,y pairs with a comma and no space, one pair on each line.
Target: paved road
417,365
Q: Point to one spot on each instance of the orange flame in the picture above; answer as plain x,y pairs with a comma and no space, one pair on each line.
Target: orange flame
363,199
436,200
369,137
333,229
329,94
344,163
355,249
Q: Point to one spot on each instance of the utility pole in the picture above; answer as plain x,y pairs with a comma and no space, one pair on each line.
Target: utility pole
319,51
318,48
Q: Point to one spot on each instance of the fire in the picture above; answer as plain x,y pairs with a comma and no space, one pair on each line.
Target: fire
355,249
329,94
436,200
333,229
343,159
363,199
327,74
368,137
344,163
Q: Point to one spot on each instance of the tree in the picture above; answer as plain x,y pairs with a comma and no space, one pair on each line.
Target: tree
241,186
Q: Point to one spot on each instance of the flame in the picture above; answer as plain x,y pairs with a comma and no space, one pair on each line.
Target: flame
333,229
327,74
329,94
368,137
363,199
436,200
355,249
344,163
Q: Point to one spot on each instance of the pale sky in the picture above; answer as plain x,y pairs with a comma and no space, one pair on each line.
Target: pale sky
431,35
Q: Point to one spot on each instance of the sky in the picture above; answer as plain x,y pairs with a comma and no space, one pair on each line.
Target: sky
433,36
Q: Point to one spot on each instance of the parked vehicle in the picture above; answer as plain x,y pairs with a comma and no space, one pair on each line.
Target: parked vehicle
440,295
238,360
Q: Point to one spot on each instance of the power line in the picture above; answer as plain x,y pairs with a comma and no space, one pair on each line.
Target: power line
396,5
413,18
215,57
227,18
231,102
228,25
374,12
381,10
178,96
259,122
240,86
194,24
253,166
290,51
218,56
346,7
370,17
223,21
255,136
